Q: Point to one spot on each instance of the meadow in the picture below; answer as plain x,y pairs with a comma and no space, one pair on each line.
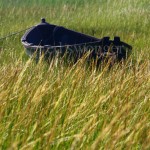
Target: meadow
59,106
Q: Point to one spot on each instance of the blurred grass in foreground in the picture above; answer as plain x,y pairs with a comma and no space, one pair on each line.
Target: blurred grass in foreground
62,107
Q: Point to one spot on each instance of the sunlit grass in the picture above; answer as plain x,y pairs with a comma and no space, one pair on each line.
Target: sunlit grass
78,107
59,106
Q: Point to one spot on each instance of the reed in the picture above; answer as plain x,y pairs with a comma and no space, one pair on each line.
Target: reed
76,106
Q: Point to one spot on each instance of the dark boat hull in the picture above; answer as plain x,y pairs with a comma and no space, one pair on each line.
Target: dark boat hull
52,40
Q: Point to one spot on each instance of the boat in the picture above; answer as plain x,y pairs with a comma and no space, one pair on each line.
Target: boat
52,40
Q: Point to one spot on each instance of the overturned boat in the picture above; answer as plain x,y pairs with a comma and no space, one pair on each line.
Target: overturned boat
50,40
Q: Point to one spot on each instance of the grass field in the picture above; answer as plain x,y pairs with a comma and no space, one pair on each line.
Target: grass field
59,106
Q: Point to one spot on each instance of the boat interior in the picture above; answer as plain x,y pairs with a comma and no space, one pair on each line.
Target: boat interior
47,34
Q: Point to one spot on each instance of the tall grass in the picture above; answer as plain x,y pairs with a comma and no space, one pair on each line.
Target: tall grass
60,106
